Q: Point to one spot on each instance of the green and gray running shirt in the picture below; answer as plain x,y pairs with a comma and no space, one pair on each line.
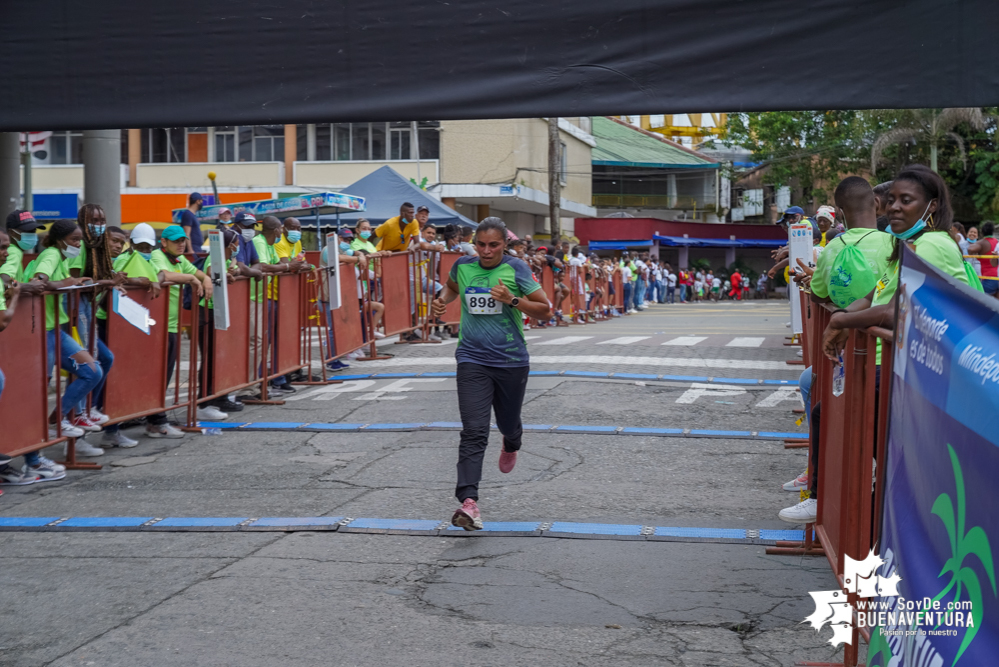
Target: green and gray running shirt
492,333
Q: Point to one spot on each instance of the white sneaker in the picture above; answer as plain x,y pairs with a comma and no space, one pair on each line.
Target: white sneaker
58,467
98,417
798,483
803,512
68,430
117,439
379,335
163,431
434,337
209,413
84,448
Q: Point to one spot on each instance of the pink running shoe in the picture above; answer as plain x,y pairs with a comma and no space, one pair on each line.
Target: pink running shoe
507,459
467,516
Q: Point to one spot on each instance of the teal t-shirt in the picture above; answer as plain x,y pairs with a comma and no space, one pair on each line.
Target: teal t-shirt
491,333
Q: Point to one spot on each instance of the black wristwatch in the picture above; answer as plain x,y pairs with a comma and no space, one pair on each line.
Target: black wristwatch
515,302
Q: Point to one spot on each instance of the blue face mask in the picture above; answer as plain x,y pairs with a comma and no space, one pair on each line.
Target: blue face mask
98,230
145,255
28,241
294,237
911,231
365,234
345,248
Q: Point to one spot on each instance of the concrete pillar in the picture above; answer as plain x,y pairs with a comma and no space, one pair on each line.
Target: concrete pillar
135,156
290,153
671,190
729,256
481,212
10,173
682,260
102,172
449,202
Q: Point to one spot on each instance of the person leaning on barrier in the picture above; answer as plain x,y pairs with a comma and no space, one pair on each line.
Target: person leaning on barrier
289,244
395,234
22,230
271,264
36,468
987,245
175,269
246,255
217,409
51,270
847,269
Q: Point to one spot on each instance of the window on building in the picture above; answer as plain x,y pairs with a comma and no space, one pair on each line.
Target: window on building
563,176
164,145
66,147
377,141
225,143
301,142
342,134
268,143
401,134
360,141
430,139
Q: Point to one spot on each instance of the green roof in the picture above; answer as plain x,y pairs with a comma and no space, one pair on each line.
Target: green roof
622,145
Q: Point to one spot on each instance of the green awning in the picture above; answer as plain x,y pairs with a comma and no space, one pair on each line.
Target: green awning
621,145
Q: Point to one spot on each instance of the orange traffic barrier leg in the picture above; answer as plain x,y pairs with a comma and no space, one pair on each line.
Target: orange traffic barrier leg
807,547
795,443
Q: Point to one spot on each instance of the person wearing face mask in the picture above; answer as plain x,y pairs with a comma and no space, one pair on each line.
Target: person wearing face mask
217,409
246,255
174,268
269,265
289,244
225,219
22,228
919,215
51,270
987,268
191,224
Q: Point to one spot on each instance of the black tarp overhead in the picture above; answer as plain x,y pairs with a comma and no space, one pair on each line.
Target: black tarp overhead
384,191
120,63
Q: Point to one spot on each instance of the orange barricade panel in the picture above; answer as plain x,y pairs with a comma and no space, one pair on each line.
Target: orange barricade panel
137,382
396,293
347,332
548,282
230,363
23,406
312,256
288,328
453,313
619,292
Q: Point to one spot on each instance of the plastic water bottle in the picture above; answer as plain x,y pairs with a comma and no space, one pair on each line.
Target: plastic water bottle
839,378
211,431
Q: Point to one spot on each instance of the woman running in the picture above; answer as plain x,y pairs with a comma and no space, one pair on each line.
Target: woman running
492,355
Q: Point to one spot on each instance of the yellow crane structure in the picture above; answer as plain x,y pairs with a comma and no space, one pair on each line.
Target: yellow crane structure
696,130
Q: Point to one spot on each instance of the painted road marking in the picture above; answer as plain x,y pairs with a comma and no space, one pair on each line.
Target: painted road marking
585,360
745,342
624,340
686,340
565,340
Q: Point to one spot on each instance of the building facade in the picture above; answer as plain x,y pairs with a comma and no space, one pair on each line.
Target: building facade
480,168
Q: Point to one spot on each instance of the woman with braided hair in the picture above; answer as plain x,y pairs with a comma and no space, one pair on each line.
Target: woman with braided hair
95,262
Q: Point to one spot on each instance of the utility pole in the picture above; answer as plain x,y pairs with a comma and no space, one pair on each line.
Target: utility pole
102,171
415,151
554,180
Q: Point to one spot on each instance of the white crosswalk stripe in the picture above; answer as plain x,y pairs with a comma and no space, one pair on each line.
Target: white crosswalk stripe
624,340
686,340
745,342
565,340
531,337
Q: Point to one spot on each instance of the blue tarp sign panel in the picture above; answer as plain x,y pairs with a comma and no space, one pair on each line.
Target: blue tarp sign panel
55,207
940,530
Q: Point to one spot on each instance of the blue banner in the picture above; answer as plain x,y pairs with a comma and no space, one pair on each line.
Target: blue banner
941,523
55,206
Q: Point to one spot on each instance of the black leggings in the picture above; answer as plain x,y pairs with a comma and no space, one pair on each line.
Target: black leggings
479,389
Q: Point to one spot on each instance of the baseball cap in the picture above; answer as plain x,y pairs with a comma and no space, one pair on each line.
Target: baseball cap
423,208
223,210
245,219
827,212
174,233
542,247
143,233
22,221
195,196
345,233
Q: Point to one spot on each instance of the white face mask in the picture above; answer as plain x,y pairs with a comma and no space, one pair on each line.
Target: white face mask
71,251
248,234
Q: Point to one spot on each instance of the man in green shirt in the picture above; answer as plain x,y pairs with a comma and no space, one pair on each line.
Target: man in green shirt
270,264
173,267
22,230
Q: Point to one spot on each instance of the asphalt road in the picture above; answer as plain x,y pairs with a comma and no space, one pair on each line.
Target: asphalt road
315,598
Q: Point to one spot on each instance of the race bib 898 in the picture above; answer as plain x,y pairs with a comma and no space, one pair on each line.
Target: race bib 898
480,302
